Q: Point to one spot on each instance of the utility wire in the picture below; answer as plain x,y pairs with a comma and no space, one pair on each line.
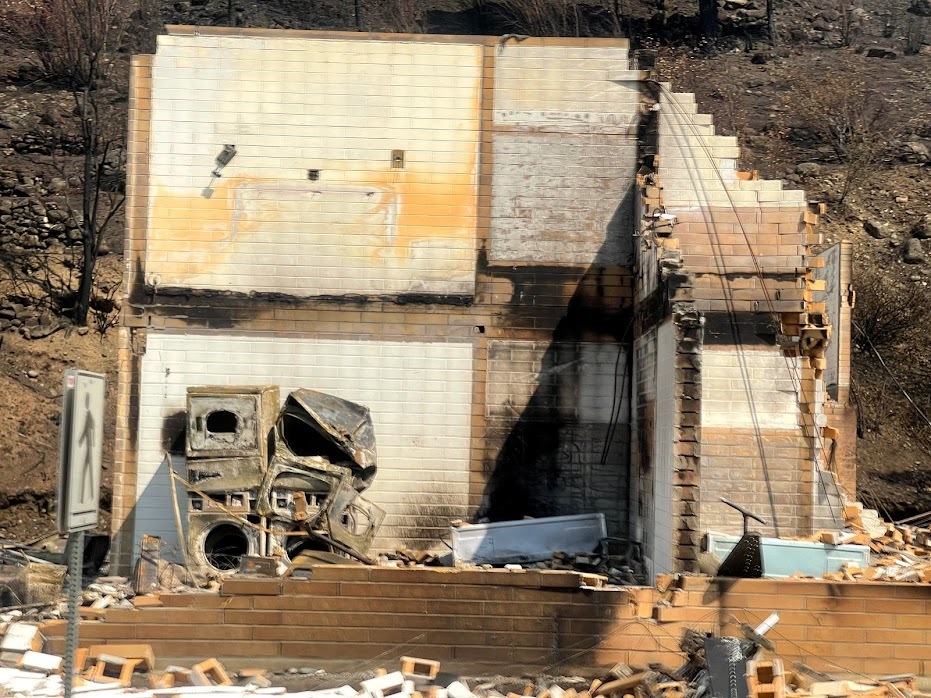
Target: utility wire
892,375
793,368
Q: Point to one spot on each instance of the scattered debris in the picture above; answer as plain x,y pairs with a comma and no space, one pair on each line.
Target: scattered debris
738,667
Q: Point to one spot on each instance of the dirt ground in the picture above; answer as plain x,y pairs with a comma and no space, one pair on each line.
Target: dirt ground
770,96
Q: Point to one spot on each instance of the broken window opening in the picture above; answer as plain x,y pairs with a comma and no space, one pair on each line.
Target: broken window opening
224,546
303,439
222,422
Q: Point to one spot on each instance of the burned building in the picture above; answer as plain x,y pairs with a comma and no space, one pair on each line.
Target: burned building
539,269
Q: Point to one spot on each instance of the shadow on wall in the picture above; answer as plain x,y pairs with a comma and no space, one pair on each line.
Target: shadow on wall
568,450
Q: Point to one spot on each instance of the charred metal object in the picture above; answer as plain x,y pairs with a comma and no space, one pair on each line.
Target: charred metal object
294,472
223,159
746,559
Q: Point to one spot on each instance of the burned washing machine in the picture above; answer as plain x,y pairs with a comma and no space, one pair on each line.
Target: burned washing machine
272,481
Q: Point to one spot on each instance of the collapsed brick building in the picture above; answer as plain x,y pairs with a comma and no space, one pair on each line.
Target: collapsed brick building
539,268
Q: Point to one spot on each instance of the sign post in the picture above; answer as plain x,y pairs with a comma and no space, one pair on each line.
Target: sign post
79,466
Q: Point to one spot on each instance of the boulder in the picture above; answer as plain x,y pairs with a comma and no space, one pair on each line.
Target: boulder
914,253
57,185
922,229
875,228
915,152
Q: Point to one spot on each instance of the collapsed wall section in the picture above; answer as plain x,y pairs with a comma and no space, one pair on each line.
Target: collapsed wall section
727,257
744,243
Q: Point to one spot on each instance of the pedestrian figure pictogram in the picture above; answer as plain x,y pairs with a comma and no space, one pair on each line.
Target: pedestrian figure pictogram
81,442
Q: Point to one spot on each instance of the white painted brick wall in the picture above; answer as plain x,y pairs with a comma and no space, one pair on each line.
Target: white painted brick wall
290,105
581,378
830,273
655,434
419,394
560,198
562,183
740,385
698,168
559,87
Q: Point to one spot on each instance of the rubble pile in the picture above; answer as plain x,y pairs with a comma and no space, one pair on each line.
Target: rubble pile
47,142
597,570
899,552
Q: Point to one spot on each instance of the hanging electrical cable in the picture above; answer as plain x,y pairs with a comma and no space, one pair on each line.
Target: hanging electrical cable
794,369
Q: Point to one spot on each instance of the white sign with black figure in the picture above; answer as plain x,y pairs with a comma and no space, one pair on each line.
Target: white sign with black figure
82,415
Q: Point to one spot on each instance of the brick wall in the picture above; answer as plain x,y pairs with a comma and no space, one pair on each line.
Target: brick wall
654,384
837,277
465,254
736,251
420,395
363,224
565,451
522,621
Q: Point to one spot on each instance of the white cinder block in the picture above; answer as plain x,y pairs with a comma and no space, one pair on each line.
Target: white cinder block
21,637
337,107
743,388
459,689
39,661
383,686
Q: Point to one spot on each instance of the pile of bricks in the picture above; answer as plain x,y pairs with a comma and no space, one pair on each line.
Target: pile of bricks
899,553
768,679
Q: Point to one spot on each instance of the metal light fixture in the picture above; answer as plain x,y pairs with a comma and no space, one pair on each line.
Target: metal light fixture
223,159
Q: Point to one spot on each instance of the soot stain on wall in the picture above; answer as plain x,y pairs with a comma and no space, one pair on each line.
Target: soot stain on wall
532,475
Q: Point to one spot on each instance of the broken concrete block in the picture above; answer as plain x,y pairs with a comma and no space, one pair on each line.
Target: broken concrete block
80,659
180,675
161,680
113,669
256,682
19,682
387,685
91,613
22,637
102,603
458,689
19,639
255,678
210,673
143,653
413,667
39,661
147,601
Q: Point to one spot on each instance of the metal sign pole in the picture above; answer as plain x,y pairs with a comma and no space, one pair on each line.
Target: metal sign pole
75,573
82,416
